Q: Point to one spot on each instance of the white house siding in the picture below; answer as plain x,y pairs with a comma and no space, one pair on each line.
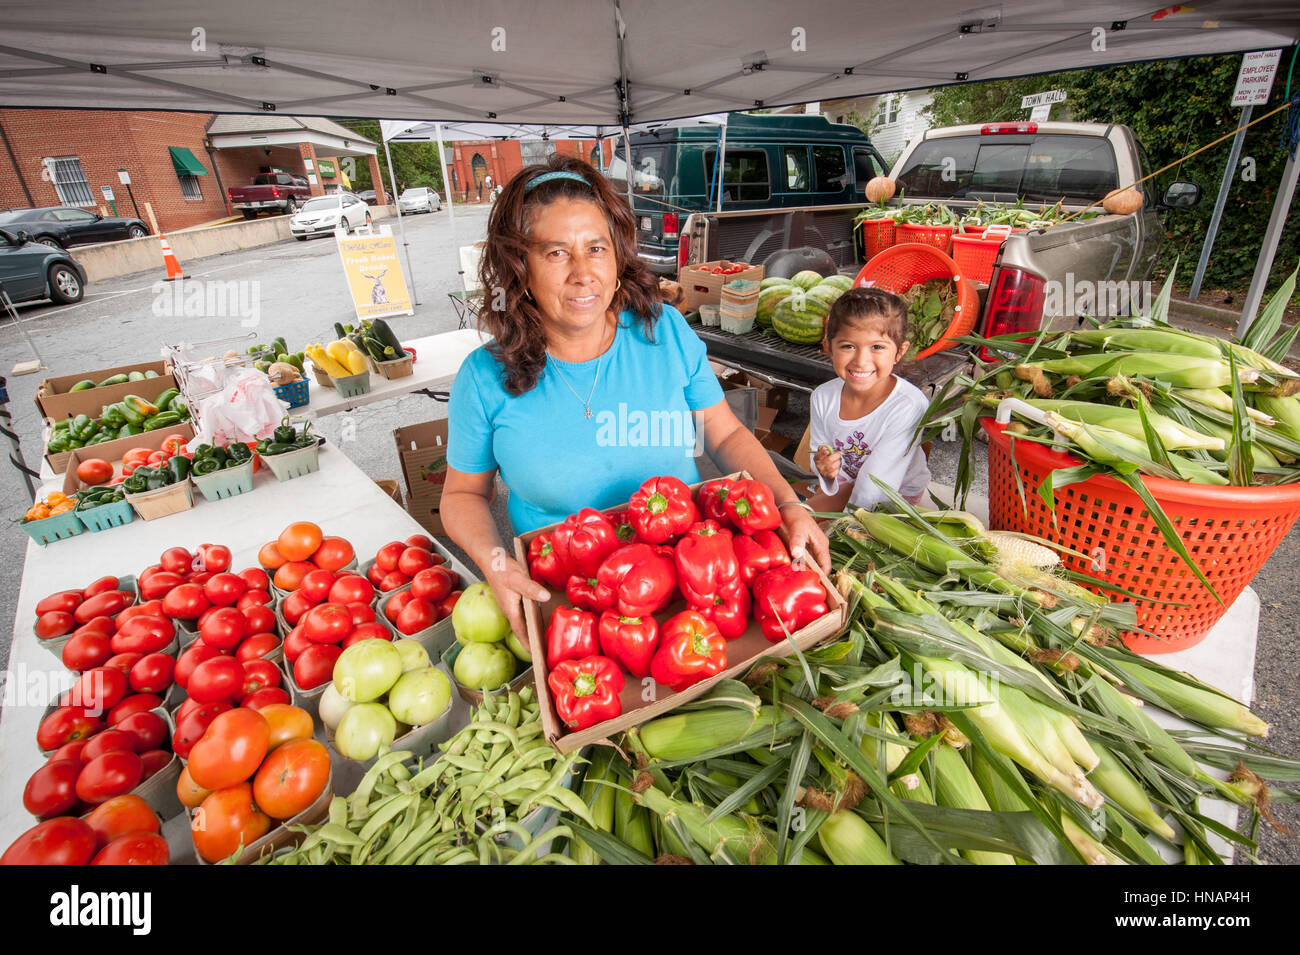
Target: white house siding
889,138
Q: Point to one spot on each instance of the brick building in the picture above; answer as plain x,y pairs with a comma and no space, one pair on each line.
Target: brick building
473,161
179,164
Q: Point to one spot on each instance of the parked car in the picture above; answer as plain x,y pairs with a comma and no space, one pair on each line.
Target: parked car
34,270
62,226
322,215
270,192
371,200
419,199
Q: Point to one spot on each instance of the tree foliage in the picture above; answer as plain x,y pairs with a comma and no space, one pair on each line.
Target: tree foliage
414,164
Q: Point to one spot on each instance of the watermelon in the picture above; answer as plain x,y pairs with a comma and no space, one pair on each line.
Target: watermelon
841,282
768,299
823,295
807,278
772,281
800,321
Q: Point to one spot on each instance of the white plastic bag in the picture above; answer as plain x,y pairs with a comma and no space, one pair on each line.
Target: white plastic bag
245,410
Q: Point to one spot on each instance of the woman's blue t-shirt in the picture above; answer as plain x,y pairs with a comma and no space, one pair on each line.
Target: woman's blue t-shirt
553,458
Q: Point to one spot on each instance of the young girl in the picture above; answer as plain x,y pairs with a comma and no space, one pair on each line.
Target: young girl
863,423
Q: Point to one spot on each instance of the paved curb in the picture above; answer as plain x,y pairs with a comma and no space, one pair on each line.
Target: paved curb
1204,313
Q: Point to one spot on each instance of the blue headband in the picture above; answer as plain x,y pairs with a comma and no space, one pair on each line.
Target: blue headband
551,176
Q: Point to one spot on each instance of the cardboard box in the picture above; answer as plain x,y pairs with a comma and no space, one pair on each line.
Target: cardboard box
422,451
705,288
92,402
112,451
771,396
55,401
741,654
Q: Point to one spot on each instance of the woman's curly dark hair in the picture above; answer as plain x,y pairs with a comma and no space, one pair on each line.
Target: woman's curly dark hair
508,313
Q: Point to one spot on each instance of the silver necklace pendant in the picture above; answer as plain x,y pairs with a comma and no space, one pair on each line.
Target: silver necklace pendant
588,412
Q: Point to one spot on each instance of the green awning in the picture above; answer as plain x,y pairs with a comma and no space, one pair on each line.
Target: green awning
185,163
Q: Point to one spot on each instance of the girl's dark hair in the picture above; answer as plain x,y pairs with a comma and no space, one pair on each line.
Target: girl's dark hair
509,314
861,306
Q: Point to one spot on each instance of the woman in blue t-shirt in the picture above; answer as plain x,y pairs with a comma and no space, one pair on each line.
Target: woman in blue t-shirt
591,384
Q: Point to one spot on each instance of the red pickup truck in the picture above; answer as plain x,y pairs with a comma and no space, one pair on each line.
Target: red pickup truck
273,192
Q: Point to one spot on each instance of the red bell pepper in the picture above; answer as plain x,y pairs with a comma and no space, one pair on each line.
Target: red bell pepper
584,540
544,564
586,691
661,508
729,610
759,552
711,499
792,596
642,578
706,563
751,507
571,635
588,593
623,528
631,641
690,650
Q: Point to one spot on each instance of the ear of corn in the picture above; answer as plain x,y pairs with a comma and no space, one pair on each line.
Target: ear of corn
1127,420
600,802
744,840
1183,371
683,735
955,787
1118,785
847,839
1200,703
632,823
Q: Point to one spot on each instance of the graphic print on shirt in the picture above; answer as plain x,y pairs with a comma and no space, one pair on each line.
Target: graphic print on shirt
853,454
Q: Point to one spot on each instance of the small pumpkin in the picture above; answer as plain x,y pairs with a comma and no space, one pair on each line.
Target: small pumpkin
880,189
1122,202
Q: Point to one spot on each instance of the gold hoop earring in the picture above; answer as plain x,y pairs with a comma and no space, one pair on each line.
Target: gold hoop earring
529,293
619,285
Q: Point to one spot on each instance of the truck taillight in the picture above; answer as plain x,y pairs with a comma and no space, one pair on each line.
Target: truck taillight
1015,304
230,194
997,129
683,249
275,193
670,225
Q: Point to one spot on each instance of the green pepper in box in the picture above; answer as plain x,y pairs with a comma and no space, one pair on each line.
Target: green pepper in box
165,400
82,385
114,380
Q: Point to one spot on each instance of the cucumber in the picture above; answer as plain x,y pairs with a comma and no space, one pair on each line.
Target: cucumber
381,331
375,349
339,330
82,385
114,380
151,373
135,376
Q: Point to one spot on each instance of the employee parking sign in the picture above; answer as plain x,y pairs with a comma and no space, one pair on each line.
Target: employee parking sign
374,276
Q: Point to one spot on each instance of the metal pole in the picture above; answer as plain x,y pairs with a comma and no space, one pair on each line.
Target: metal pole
446,180
722,165
401,226
133,205
627,159
1272,235
1220,201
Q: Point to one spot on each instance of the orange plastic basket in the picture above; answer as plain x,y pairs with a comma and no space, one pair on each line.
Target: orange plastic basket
975,256
877,235
898,268
1229,531
939,236
974,231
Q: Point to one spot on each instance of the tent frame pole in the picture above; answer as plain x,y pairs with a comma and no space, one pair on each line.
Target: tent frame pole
401,226
1272,236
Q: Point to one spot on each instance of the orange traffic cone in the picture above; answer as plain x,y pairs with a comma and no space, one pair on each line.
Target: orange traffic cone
169,260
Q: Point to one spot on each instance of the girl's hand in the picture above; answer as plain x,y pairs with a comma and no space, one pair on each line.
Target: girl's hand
827,462
510,582
807,540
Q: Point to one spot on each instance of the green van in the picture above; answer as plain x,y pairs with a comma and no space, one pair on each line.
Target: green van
770,161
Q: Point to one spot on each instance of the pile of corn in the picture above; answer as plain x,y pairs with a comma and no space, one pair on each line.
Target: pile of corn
978,710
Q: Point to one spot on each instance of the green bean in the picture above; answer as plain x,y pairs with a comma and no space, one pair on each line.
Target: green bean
468,763
386,813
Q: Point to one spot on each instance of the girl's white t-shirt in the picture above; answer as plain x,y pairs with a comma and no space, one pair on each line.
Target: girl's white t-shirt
878,444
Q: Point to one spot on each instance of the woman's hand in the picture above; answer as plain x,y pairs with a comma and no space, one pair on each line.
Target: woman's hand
509,582
807,539
827,462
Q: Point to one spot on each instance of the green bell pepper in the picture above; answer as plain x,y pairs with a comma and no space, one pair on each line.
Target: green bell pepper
285,433
178,469
114,415
59,441
82,427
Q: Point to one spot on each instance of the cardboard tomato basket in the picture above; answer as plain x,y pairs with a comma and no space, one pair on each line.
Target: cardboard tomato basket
703,287
56,644
286,834
742,653
112,451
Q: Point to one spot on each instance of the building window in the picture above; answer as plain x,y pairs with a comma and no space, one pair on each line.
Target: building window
190,187
70,181
889,110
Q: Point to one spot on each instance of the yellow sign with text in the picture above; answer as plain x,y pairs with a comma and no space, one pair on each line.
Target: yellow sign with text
374,276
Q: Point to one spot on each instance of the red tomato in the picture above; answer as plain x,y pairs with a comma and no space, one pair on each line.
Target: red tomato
334,553
144,635
152,673
224,628
108,604
104,625
191,725
230,750
296,642
265,697
255,578
270,557
315,665
65,601
327,623
192,656
139,703
394,580
185,602
386,557
375,574
55,623
287,723
289,576
122,814
124,661
396,604
63,840
292,778
190,794
52,789
108,741
112,774
361,613
214,558
135,848
177,559
351,589
294,606
253,598
160,584
99,689
448,604
420,540
218,679
202,577
226,820
418,614
148,572
86,650
223,589
102,586
148,729
299,541
316,585
434,583
259,674
256,647
414,560
368,631
153,760
150,608
68,751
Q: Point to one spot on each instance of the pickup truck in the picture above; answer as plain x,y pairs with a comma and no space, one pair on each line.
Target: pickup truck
1074,164
276,192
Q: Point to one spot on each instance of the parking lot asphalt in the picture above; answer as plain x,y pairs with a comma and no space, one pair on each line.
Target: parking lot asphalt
299,291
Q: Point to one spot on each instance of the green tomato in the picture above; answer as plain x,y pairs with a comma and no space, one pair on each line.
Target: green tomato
364,730
476,618
414,656
332,706
518,648
420,696
367,670
484,666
